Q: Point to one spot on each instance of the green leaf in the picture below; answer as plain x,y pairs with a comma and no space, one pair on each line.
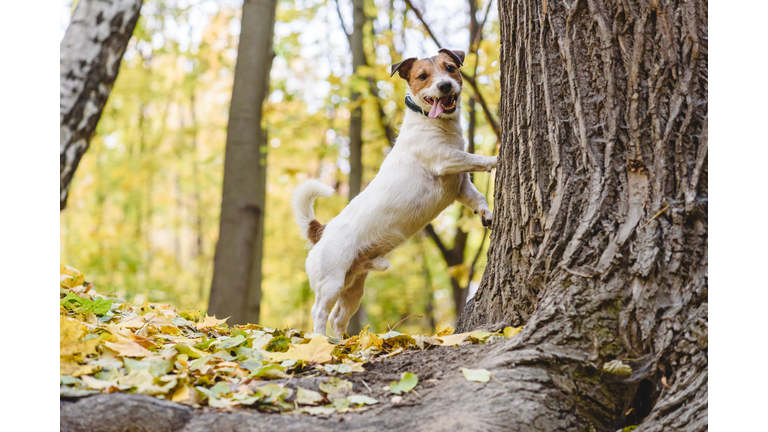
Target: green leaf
231,342
156,366
336,388
278,344
407,383
220,389
476,375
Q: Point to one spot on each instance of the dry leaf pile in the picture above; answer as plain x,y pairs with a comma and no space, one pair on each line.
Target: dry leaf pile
108,345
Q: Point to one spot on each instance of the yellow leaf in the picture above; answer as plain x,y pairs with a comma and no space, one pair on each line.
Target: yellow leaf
70,344
70,277
617,367
129,348
210,321
511,331
368,340
444,332
317,350
455,339
186,395
69,366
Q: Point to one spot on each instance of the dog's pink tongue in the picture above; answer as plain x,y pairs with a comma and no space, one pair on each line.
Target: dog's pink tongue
437,107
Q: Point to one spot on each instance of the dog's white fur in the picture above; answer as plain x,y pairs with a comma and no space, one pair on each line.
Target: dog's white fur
424,173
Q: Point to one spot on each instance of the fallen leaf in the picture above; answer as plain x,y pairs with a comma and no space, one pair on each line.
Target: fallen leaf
308,397
210,321
617,367
476,375
361,400
70,343
317,350
407,383
129,348
336,388
453,340
511,331
70,277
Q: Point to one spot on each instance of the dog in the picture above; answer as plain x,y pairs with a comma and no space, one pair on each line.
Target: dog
426,171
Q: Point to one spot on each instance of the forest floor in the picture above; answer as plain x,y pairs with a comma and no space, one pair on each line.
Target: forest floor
152,367
438,403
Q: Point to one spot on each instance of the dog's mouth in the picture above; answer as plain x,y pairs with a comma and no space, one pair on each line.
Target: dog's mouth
445,104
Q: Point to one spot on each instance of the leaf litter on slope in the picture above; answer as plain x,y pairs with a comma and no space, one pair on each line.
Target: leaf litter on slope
108,345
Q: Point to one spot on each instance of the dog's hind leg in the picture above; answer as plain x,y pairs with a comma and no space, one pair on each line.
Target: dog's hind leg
326,294
347,305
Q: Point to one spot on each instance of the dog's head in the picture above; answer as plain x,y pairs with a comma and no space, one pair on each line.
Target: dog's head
434,82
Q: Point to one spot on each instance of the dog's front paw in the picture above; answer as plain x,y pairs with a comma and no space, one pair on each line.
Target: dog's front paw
486,218
491,165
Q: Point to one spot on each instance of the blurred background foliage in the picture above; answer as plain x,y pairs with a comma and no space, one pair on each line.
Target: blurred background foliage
143,214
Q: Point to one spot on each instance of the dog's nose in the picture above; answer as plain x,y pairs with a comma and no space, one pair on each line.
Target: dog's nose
444,86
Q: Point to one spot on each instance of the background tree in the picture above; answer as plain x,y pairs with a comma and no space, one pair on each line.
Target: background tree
600,231
236,287
91,52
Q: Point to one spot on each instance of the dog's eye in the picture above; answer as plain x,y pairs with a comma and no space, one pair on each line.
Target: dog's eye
423,76
450,69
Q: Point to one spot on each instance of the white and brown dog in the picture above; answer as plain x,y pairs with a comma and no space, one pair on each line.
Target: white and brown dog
424,173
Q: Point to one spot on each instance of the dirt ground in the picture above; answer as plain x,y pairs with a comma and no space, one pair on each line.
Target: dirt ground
442,400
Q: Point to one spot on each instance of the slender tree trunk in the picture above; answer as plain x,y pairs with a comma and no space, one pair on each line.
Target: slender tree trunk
356,119
356,131
198,200
91,52
600,231
235,290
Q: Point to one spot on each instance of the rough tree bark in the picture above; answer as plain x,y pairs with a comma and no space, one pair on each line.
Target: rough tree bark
91,52
600,231
236,286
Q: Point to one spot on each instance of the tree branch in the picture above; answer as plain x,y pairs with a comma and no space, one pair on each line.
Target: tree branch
343,26
388,132
443,250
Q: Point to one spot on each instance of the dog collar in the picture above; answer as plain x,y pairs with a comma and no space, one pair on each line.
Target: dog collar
412,105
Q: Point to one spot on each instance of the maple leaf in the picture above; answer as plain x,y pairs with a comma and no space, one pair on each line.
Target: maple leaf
70,344
318,350
210,321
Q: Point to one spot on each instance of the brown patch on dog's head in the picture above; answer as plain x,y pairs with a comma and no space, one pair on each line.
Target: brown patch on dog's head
315,231
420,72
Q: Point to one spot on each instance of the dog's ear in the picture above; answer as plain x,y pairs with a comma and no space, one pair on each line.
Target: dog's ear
456,55
404,67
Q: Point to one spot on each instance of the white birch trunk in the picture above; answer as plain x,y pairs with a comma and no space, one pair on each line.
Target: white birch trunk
90,59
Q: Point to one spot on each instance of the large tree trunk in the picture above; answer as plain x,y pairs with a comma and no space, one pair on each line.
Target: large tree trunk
91,52
600,231
236,287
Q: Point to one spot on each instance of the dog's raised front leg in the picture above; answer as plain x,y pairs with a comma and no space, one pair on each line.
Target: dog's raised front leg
347,305
454,161
472,198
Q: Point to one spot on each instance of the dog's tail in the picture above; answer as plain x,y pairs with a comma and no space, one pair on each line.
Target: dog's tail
303,197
